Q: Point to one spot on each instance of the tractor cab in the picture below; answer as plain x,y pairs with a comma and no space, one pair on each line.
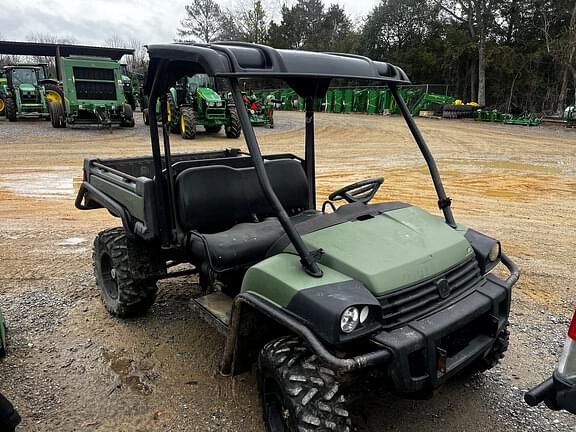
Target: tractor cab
24,95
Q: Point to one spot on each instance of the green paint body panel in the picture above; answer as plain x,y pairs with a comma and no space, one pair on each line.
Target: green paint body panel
130,200
388,252
280,277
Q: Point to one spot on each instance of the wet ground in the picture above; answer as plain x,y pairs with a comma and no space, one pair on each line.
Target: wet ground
72,367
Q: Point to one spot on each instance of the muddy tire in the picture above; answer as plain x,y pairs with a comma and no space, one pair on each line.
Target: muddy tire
187,123
213,129
233,128
9,417
53,94
122,294
128,119
11,111
297,392
57,115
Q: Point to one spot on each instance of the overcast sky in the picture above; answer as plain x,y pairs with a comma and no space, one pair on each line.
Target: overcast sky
93,21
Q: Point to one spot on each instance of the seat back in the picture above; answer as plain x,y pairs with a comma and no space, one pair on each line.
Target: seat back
214,198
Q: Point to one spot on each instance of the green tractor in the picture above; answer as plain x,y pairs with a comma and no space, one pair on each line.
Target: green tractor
94,94
25,91
195,101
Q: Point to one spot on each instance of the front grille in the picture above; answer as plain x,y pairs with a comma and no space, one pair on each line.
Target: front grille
403,306
96,90
97,74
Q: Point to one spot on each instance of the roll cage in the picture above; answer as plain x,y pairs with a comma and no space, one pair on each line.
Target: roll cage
308,73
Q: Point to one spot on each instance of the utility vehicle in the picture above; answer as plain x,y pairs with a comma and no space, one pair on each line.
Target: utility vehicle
25,91
325,301
559,391
94,94
194,101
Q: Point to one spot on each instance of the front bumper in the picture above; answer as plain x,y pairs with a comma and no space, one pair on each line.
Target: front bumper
555,392
430,350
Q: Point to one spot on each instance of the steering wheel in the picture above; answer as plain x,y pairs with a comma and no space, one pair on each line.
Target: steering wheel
362,191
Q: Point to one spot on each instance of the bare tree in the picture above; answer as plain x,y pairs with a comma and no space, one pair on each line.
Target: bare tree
202,21
115,41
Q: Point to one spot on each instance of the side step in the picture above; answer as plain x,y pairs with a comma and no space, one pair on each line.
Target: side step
214,308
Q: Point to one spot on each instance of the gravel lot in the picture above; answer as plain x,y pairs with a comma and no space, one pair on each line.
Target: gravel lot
72,367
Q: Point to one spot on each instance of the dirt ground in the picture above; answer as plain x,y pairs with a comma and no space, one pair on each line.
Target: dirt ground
72,367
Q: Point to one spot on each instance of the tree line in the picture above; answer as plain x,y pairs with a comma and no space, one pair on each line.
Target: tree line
514,55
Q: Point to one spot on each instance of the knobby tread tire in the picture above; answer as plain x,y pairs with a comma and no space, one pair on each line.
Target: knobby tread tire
189,119
174,125
233,128
128,120
3,109
135,296
312,393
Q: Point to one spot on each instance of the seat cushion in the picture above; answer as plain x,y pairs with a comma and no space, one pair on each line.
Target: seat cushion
243,244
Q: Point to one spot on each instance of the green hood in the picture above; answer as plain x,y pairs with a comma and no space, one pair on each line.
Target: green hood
208,94
393,250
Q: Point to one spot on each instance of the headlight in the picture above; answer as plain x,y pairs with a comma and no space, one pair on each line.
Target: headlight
494,252
220,104
364,314
349,319
210,104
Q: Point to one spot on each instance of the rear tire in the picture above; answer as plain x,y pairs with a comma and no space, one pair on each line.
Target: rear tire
11,112
297,392
54,94
173,115
122,294
9,417
57,115
187,123
2,106
233,128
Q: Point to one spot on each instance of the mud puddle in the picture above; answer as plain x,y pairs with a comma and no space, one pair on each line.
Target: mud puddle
135,374
41,184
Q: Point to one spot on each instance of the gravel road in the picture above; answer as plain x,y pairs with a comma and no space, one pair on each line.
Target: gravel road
72,367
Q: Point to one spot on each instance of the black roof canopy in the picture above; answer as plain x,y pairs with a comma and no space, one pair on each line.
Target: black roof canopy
309,73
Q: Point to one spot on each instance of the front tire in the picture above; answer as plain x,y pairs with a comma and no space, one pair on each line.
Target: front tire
187,123
233,128
2,106
11,111
122,294
297,392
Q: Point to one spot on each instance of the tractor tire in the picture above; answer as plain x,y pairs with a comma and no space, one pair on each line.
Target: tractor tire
173,115
54,94
11,111
213,129
187,123
234,128
122,294
9,417
297,392
57,115
145,117
131,100
2,106
128,120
